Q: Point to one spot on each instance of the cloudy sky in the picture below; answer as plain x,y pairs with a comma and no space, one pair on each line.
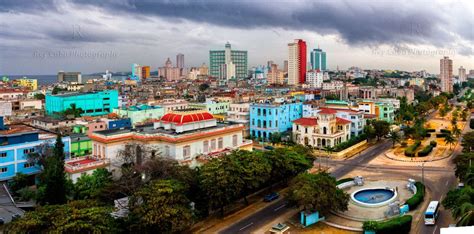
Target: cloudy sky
44,36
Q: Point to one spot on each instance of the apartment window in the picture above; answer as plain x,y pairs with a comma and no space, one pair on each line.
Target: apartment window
234,140
213,144
3,154
305,130
27,151
205,146
186,152
28,165
221,143
3,169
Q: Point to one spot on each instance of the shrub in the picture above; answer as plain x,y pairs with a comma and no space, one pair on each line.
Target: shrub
433,143
425,151
445,131
430,130
404,144
350,142
440,135
410,151
343,180
397,225
414,201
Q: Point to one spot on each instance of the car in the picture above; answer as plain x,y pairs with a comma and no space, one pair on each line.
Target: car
271,196
267,147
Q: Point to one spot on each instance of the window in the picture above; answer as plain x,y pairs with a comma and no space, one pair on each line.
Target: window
3,169
205,146
213,144
28,165
27,151
305,130
186,152
234,140
3,154
221,143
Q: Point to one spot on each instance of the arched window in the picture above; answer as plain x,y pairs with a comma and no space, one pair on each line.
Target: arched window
324,131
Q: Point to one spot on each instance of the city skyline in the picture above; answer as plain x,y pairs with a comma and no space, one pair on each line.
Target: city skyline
90,37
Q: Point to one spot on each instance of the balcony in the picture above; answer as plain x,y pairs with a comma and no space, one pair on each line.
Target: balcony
85,163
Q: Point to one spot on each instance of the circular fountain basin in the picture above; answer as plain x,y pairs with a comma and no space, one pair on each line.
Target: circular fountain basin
374,197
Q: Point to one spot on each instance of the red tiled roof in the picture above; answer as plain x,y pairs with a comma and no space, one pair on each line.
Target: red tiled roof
327,111
342,121
306,121
179,118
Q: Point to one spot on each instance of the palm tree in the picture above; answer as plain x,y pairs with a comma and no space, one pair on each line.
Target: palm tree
394,137
456,131
449,139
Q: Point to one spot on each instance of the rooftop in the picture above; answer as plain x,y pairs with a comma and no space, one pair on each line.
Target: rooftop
306,121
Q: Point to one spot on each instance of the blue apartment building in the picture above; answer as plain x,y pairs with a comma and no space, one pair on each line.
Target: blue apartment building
268,118
16,142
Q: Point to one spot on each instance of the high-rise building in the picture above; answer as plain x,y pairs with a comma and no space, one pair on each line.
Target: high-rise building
145,72
204,69
136,71
269,63
234,62
446,74
180,61
285,66
314,78
169,72
462,74
297,62
70,77
275,75
318,59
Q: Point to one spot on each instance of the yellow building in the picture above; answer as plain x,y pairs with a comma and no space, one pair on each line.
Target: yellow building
27,83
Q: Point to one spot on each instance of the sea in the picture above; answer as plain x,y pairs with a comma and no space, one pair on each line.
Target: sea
51,79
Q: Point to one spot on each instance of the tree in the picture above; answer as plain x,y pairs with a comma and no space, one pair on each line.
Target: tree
369,131
73,111
19,181
381,128
92,186
463,162
203,87
317,192
52,186
287,162
56,90
221,182
456,131
449,139
464,115
275,138
460,202
83,216
467,141
161,205
394,137
254,170
39,96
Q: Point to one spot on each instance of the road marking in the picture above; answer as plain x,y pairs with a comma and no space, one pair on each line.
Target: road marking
434,231
246,226
279,207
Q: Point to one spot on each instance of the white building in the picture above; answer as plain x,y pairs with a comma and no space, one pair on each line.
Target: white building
240,113
314,79
326,129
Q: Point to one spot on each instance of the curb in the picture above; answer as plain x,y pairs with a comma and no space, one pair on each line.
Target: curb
343,227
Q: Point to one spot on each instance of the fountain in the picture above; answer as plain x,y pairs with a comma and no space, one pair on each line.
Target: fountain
374,197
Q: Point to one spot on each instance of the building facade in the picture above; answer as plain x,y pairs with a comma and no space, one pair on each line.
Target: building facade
239,113
228,64
70,77
446,74
462,74
17,142
189,136
318,59
297,62
324,130
91,103
140,113
269,118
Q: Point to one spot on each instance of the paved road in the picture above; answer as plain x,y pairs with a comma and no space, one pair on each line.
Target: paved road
277,209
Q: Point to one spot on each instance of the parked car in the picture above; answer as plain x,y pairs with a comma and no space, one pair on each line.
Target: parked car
270,197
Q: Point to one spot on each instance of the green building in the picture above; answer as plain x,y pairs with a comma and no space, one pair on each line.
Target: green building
91,103
81,145
220,59
140,113
213,107
386,111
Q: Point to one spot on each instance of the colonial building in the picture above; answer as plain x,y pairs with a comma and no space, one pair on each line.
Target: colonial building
323,130
190,136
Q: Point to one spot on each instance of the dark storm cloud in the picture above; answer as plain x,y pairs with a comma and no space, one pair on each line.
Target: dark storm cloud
356,22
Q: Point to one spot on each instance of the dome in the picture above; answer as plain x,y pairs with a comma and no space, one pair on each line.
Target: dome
186,117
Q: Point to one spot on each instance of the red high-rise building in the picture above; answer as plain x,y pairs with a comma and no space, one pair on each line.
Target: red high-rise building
302,62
